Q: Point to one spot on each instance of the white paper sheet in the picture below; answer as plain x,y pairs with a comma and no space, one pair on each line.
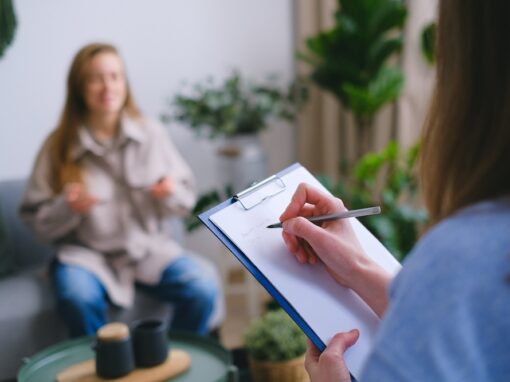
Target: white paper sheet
327,307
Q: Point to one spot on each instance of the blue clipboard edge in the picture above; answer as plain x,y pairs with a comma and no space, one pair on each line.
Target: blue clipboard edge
259,276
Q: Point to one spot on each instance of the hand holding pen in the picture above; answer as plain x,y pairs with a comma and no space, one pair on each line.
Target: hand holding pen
336,216
334,242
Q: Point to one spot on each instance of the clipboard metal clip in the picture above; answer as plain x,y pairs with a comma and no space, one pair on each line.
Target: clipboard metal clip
248,202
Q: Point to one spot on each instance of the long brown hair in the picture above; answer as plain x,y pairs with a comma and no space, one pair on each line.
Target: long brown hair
465,153
63,168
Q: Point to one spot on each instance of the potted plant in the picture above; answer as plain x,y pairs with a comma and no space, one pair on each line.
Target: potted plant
351,60
276,347
236,107
236,110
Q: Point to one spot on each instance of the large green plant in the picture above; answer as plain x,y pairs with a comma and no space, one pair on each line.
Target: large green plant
275,337
351,59
392,172
236,106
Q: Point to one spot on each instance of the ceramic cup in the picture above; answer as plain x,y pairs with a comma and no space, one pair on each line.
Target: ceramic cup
114,351
150,342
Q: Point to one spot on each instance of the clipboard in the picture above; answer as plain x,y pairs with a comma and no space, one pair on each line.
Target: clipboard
265,191
261,278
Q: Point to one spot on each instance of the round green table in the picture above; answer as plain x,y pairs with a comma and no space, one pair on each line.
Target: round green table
210,362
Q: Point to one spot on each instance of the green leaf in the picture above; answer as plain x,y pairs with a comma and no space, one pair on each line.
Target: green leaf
381,50
349,59
428,41
8,25
368,167
387,15
401,221
385,87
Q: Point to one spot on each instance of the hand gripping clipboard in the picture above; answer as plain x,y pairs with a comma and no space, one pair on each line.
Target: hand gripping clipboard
261,278
308,294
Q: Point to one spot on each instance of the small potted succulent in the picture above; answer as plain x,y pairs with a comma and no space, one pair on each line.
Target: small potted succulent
276,347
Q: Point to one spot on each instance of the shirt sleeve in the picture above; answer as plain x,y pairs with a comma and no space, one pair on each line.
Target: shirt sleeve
46,213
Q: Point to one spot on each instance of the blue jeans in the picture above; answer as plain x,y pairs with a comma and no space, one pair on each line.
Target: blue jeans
82,300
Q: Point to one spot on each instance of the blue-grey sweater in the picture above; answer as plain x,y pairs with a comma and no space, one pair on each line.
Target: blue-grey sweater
449,312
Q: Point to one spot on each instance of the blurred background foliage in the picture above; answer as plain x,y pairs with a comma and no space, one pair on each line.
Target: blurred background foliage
236,106
428,38
386,178
352,60
357,60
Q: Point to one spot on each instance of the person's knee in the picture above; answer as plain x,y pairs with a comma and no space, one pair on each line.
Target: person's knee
78,288
202,291
82,301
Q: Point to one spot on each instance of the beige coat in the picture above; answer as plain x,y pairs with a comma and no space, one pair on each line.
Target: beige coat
121,239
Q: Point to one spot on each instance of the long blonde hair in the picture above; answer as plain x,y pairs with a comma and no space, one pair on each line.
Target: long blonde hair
63,168
465,153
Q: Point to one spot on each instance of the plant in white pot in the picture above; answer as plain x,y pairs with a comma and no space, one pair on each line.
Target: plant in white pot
237,110
276,348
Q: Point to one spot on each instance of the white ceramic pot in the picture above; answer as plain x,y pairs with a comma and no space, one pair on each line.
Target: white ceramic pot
242,161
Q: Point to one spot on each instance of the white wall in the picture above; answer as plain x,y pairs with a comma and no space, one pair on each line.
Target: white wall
164,43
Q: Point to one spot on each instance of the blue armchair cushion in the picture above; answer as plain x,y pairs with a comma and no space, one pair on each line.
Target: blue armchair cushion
6,258
20,250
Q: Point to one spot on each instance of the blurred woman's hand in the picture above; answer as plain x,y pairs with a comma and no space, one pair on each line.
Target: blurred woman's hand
329,366
162,188
78,199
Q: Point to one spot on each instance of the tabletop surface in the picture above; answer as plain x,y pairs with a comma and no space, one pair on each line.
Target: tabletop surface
209,360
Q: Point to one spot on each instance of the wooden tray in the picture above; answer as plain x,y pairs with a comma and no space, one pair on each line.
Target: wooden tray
177,362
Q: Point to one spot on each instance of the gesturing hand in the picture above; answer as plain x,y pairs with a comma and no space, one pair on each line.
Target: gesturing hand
77,198
162,188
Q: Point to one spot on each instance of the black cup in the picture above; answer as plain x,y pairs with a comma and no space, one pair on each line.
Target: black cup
114,358
150,342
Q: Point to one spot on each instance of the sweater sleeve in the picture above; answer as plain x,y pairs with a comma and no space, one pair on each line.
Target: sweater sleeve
448,313
46,213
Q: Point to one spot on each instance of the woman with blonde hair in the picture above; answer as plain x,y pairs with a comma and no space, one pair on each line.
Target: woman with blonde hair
101,188
445,316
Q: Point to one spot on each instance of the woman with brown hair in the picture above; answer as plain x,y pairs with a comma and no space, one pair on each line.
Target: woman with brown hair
101,188
445,316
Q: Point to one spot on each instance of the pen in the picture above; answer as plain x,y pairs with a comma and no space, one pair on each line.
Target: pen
340,215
